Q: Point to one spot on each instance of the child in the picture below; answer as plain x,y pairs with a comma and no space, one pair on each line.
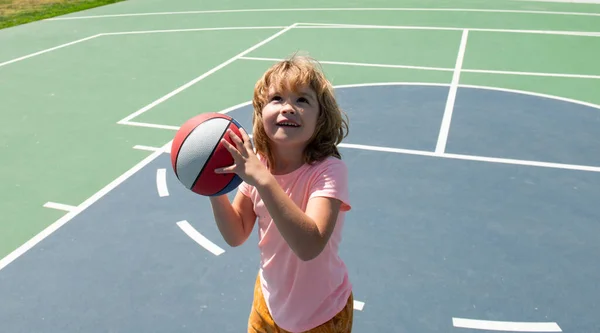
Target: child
296,185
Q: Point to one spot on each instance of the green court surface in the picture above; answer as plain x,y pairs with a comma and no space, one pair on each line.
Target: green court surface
61,140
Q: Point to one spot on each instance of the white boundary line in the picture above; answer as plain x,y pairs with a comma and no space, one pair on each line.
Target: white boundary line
131,33
199,238
166,148
447,117
441,69
59,206
48,50
507,326
306,25
343,26
201,77
266,10
161,182
67,217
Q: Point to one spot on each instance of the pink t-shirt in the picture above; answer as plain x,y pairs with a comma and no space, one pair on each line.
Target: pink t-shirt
303,294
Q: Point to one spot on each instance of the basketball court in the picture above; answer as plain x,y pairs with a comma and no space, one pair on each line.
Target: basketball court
474,159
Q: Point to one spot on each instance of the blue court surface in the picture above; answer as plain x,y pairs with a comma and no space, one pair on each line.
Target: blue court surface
502,224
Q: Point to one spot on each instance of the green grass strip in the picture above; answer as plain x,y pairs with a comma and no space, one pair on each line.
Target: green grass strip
16,12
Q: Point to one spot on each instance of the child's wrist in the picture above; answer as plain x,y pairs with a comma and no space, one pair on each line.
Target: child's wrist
264,180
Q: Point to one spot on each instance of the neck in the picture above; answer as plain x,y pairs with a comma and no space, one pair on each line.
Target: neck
286,159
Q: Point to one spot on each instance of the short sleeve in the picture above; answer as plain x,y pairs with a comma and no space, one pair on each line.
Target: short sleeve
331,180
244,188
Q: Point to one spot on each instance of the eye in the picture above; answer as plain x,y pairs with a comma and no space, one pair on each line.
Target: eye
303,100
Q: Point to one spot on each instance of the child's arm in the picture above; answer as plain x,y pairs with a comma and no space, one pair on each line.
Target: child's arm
306,233
235,221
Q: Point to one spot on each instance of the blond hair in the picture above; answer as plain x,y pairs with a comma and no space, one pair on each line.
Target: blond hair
332,122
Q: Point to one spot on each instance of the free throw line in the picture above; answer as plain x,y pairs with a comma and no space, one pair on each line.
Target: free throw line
507,326
445,126
161,182
199,238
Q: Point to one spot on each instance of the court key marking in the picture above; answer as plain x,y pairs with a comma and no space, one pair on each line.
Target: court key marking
199,238
447,118
161,182
506,326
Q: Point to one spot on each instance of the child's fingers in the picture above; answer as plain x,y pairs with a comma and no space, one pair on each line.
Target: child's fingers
232,150
236,139
227,169
246,138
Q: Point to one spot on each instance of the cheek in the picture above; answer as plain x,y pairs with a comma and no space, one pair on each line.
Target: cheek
268,120
312,118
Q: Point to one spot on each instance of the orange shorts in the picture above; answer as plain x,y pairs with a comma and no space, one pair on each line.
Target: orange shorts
260,320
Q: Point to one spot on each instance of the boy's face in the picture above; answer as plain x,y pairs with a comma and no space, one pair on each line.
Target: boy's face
290,118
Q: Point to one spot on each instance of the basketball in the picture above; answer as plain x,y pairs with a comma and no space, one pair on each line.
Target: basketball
196,151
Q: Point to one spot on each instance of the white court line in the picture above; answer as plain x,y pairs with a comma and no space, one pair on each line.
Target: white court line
358,305
576,76
388,149
131,33
189,30
360,64
48,50
266,10
201,77
442,69
446,155
71,214
147,148
447,118
335,26
474,158
59,206
84,205
199,238
306,25
161,182
507,326
138,124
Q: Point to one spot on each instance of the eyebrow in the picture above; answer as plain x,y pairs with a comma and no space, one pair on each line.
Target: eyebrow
311,94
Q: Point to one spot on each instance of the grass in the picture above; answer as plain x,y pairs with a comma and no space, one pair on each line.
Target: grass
16,12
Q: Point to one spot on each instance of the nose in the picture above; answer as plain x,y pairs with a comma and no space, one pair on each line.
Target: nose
287,108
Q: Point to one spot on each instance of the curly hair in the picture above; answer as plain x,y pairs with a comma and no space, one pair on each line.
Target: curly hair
332,122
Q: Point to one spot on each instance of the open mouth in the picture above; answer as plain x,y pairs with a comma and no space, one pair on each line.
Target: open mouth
287,124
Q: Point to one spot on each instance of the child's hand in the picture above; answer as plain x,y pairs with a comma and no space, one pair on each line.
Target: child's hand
246,164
